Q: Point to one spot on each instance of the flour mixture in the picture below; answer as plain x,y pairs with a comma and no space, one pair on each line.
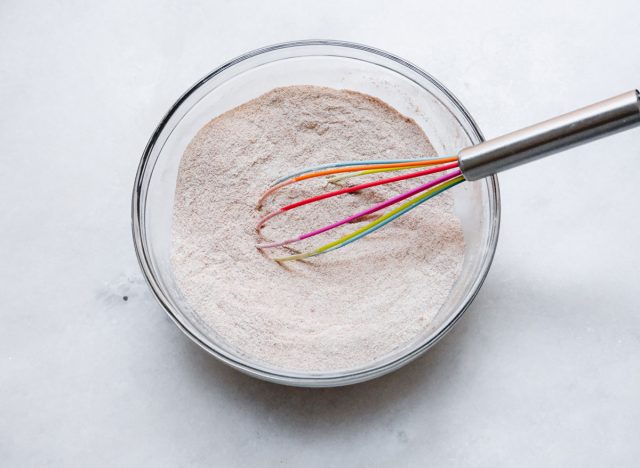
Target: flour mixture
332,312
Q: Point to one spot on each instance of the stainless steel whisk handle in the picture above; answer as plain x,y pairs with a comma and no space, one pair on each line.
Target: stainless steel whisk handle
551,136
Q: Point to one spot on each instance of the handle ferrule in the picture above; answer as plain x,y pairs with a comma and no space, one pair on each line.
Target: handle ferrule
551,136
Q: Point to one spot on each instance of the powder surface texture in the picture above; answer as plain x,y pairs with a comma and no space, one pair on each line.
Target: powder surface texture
337,311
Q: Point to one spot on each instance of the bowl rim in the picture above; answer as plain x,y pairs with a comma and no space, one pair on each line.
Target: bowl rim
138,203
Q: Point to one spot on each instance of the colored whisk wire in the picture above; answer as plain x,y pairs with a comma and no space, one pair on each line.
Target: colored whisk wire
373,209
341,171
355,188
374,162
375,225
338,178
352,166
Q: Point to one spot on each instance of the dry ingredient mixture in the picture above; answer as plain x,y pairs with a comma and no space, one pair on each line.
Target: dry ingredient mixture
340,310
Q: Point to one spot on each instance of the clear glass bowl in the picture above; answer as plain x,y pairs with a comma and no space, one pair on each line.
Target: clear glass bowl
325,63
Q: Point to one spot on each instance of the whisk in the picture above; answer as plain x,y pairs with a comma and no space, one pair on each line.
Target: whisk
472,163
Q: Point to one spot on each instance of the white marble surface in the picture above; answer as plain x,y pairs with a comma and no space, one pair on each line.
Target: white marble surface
544,370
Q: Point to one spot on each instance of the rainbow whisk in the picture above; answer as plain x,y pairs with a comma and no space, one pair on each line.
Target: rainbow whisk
472,163
352,169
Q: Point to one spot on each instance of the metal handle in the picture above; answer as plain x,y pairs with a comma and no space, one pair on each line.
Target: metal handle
551,136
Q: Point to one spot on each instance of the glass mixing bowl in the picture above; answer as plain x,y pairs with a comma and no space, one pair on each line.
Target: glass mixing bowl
324,63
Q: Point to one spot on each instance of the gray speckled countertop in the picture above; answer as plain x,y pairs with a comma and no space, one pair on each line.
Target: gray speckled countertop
544,370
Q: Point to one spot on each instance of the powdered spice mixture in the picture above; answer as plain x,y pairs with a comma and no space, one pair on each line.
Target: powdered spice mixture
341,310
